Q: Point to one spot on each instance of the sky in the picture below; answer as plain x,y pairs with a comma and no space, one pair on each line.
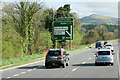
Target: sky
87,8
83,7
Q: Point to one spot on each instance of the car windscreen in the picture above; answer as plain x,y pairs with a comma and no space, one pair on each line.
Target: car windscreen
54,53
104,53
108,45
105,42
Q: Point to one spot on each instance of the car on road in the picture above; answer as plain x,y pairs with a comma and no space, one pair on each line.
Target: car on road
56,57
104,56
105,42
109,46
98,44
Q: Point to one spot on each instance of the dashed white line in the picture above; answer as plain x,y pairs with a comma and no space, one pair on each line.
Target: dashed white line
89,58
23,72
16,74
74,69
30,70
8,77
83,62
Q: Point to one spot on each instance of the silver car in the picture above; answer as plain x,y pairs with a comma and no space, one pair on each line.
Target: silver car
104,56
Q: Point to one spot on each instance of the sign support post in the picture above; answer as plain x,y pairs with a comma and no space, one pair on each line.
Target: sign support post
56,44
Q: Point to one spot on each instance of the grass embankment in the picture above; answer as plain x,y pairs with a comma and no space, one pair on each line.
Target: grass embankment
21,60
31,58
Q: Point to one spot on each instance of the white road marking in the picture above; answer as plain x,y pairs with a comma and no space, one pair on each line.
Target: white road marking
16,74
23,72
83,62
74,69
8,77
89,58
30,70
94,55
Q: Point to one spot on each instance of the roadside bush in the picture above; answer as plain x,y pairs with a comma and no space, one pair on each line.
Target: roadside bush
77,37
11,43
109,35
91,37
43,41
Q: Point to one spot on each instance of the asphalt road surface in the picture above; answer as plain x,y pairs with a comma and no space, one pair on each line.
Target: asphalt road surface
82,65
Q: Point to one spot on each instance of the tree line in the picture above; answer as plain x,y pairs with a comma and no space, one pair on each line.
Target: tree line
27,29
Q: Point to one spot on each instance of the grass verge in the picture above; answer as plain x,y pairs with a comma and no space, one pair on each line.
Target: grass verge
31,58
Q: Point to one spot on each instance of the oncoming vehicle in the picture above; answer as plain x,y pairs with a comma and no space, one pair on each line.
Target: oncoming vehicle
109,46
98,44
104,56
56,57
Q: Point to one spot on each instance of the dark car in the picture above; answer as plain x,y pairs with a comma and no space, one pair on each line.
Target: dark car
105,42
98,44
56,57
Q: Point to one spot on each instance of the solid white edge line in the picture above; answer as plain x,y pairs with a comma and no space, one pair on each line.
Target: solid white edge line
22,65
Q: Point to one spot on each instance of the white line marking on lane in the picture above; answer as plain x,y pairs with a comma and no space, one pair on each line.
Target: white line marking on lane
22,72
74,69
16,75
83,62
8,77
89,58
30,70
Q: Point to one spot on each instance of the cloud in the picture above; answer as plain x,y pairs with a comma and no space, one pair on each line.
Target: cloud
82,0
103,8
84,7
63,0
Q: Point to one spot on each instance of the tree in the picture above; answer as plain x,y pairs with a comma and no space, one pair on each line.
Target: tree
101,29
63,11
109,35
116,33
20,16
48,13
91,37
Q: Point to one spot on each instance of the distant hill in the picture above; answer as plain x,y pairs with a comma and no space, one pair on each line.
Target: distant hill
99,19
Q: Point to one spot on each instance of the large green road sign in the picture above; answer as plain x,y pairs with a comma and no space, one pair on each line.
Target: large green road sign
63,29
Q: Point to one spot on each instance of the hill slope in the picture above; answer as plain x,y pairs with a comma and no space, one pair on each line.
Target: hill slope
99,19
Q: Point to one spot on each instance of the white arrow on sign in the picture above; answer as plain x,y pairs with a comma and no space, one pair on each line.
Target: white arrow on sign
68,33
71,32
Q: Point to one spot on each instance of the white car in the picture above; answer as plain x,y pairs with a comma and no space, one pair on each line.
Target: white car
109,46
